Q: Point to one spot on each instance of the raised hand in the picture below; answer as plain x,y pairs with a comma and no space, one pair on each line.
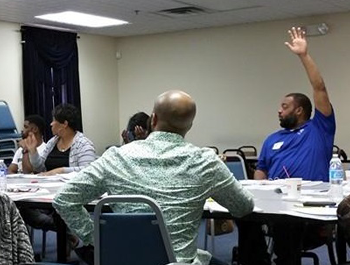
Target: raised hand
297,44
125,136
140,133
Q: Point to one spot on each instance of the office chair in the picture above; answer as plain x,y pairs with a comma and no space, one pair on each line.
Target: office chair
329,240
236,163
8,128
131,238
8,132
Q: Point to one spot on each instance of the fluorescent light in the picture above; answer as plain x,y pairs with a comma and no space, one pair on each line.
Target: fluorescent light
81,19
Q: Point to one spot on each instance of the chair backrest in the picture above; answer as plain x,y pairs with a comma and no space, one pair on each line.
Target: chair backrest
131,238
249,150
237,166
7,125
216,150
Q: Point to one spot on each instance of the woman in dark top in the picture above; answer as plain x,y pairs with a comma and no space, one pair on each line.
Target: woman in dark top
69,150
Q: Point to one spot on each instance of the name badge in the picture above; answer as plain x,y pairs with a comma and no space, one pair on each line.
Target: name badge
277,146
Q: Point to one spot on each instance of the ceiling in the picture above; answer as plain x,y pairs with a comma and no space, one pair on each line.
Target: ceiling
145,16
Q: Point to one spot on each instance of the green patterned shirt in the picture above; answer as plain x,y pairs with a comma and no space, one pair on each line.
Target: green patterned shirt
177,174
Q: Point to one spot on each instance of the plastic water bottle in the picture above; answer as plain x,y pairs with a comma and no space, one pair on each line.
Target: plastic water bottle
336,177
3,177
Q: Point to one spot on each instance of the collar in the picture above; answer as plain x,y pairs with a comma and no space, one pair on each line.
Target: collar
165,136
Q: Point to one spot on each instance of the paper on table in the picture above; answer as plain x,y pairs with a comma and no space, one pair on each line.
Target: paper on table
32,176
313,216
14,175
262,182
321,193
307,199
213,206
263,187
308,183
15,196
280,182
328,211
68,176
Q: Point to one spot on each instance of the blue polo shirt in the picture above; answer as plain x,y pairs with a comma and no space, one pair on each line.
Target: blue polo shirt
305,152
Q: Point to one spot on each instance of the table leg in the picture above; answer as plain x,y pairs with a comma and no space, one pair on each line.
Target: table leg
61,239
340,244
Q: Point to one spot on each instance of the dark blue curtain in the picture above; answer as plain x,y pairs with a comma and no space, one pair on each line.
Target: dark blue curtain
50,71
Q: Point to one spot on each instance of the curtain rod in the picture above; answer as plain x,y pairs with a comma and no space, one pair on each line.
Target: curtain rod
51,27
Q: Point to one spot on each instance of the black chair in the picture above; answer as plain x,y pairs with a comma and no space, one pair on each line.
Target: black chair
248,150
327,239
216,150
236,151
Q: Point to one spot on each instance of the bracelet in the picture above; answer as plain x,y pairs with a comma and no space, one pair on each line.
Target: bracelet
24,151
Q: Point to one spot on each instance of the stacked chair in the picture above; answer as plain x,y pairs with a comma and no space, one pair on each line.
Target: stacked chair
9,135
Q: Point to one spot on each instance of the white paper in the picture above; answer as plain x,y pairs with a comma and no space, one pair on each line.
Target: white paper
68,176
16,196
213,206
328,211
313,216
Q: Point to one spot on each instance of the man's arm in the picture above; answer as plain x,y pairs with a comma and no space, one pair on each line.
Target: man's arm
69,202
235,198
298,45
26,165
13,167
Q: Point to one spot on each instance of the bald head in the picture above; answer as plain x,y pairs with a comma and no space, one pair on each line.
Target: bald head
173,111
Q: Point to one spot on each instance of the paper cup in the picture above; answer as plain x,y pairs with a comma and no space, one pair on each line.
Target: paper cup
293,187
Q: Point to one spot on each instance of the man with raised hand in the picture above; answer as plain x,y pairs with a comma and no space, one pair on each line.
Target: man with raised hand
303,148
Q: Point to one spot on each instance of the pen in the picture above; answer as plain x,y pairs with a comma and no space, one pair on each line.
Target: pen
285,170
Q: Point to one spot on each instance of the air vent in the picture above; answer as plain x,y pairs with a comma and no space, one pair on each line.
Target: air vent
183,11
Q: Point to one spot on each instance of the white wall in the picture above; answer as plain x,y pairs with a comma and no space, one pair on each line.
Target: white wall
237,75
11,70
98,83
99,90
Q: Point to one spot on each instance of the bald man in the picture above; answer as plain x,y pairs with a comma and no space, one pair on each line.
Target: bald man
177,174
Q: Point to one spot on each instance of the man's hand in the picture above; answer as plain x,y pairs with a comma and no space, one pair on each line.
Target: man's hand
59,170
30,143
297,44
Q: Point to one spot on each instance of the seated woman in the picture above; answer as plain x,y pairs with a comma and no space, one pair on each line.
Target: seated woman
69,150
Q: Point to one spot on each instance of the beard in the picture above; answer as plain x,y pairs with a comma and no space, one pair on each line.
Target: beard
289,122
